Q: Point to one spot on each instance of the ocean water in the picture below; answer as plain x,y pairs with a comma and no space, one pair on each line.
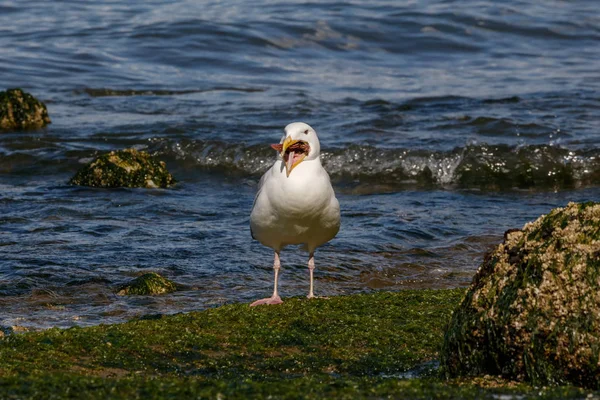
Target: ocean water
442,124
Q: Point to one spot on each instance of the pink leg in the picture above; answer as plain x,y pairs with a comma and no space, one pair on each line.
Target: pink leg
311,268
275,299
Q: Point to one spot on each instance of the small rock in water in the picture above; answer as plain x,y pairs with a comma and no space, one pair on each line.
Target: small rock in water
148,284
532,311
20,110
124,168
10,330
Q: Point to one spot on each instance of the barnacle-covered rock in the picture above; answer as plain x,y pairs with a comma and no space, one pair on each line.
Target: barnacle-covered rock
124,168
20,110
148,284
533,309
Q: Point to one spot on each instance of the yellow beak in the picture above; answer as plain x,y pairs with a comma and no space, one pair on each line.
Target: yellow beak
290,164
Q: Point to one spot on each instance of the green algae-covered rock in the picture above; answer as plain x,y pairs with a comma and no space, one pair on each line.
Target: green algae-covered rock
20,110
124,168
533,309
148,284
10,330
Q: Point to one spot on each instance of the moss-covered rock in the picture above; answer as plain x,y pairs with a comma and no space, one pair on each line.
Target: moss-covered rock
148,284
533,309
8,330
124,168
20,110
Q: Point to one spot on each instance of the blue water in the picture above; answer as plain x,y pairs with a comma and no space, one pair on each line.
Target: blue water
442,124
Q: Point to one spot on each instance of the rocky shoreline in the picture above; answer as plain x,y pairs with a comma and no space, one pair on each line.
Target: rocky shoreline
377,345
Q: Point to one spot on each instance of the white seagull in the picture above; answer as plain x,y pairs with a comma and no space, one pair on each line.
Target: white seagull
295,203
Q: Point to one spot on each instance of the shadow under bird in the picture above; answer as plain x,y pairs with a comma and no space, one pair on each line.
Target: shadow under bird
295,203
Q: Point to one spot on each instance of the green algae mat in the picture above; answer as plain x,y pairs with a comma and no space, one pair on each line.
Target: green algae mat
380,345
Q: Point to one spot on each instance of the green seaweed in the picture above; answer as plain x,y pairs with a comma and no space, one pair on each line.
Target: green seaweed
55,386
347,347
20,110
148,284
124,168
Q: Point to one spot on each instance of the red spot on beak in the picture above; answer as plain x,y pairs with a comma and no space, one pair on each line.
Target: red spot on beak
277,147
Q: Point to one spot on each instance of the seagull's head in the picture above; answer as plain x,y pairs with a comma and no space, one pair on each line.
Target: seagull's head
299,143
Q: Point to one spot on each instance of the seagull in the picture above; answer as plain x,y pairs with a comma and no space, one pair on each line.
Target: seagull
295,203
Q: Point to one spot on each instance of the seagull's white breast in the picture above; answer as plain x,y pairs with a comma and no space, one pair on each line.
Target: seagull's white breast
299,209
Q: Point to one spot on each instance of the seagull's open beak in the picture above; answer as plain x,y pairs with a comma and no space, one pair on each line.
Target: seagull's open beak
293,158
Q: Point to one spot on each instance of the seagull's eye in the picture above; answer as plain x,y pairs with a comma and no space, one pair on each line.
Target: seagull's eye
306,132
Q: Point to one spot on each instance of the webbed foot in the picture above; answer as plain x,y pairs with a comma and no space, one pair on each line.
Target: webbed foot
270,301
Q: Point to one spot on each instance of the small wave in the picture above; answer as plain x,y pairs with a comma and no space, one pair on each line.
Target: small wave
504,100
107,92
476,166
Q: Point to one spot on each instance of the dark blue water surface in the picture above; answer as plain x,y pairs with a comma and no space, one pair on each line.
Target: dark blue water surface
442,124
